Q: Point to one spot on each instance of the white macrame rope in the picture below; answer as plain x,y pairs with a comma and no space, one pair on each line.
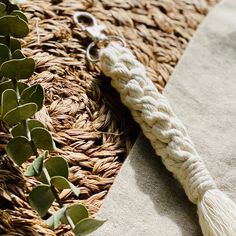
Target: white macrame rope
168,136
154,114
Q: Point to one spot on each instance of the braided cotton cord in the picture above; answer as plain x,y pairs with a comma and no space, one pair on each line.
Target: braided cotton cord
169,138
157,120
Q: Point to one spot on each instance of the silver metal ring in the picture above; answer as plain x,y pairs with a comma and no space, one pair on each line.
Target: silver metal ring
78,16
108,39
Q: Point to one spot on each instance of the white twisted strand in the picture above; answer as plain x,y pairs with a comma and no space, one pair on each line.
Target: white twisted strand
152,111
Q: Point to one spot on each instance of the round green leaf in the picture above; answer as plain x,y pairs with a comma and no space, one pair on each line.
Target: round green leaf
18,54
20,113
34,124
4,53
14,26
41,198
19,150
9,101
36,167
5,85
18,68
76,212
20,14
14,43
87,226
55,220
33,94
56,166
19,130
42,139
8,85
10,7
2,8
21,86
62,183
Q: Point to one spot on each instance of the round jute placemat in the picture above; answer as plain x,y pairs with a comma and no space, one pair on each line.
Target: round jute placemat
92,129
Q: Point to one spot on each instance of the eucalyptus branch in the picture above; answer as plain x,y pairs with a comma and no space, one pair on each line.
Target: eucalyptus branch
19,103
45,171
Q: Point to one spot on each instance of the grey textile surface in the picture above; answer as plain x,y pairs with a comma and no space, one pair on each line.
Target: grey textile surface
145,200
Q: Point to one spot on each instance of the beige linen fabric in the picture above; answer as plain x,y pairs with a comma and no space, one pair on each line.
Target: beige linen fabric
145,199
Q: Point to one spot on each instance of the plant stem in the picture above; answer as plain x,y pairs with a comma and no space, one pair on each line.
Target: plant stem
45,171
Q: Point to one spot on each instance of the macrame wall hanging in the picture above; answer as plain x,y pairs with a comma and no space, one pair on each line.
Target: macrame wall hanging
168,136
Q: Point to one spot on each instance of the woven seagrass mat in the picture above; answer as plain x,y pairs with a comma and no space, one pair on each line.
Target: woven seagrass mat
91,127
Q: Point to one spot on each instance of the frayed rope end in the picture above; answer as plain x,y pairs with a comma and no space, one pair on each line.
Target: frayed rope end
217,214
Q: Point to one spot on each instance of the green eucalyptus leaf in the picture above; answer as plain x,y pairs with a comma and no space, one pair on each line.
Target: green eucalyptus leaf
21,86
20,14
9,85
34,124
41,198
19,150
33,94
18,68
10,7
14,43
42,139
9,101
20,113
14,26
55,220
87,226
2,9
56,166
36,167
76,212
6,85
17,54
62,183
4,53
19,130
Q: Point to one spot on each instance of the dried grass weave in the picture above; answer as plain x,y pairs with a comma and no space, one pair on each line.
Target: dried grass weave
91,127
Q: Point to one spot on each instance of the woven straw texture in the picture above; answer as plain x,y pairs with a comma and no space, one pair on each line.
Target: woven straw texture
92,129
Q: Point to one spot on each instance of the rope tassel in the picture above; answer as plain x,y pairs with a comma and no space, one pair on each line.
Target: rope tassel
168,136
